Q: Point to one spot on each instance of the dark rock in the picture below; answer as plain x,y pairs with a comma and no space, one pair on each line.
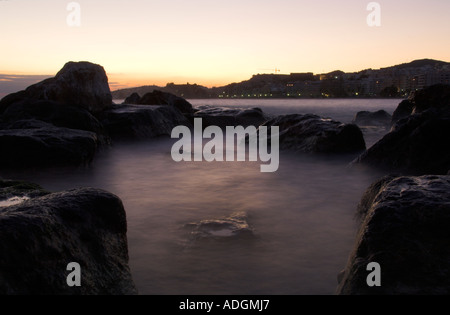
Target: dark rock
79,84
379,118
30,143
233,226
12,191
40,237
163,98
372,193
404,229
51,112
403,110
313,134
224,117
417,145
433,97
133,99
11,99
436,96
137,122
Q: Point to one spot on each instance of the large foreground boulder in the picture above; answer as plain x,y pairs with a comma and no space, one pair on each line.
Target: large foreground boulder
417,145
404,228
79,84
31,143
124,122
41,236
227,117
314,134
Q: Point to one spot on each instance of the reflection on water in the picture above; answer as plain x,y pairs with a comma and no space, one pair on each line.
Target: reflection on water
302,218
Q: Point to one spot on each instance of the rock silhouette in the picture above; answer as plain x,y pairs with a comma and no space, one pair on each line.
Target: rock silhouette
79,84
417,144
160,98
436,96
379,118
223,117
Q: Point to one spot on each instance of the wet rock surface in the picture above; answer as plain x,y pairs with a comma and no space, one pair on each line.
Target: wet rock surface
53,113
41,236
234,226
31,143
223,117
314,134
13,192
138,122
405,229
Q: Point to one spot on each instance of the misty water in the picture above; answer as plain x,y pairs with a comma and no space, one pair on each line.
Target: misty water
303,216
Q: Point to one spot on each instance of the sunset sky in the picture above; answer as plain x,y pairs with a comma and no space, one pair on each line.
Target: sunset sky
213,43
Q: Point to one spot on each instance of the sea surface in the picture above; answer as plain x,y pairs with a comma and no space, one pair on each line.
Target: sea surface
303,215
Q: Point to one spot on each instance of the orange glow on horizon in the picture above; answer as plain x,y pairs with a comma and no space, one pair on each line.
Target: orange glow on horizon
121,81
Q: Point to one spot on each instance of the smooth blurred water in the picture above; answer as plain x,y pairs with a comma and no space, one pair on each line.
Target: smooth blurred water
302,215
340,109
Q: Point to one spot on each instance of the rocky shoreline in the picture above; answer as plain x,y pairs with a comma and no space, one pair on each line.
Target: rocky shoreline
404,217
65,120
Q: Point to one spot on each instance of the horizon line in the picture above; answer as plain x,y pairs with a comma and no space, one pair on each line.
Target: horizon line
115,84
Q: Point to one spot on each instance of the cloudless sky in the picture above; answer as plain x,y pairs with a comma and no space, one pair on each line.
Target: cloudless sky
212,42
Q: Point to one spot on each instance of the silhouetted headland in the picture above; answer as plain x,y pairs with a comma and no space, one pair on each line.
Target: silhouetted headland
392,82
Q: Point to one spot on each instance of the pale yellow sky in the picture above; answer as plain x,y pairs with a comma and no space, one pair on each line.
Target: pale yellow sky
218,42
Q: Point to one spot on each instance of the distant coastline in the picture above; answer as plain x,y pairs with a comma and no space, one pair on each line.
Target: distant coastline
121,100
393,82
